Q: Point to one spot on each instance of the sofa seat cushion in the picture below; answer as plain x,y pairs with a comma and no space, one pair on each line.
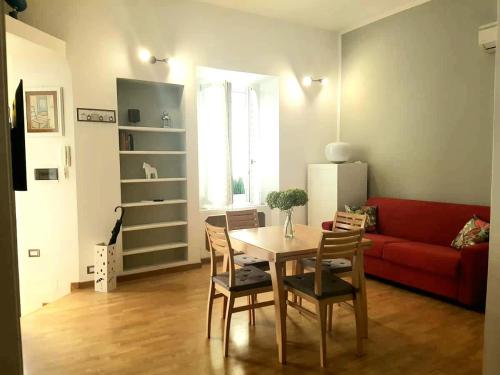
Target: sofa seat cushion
435,259
378,243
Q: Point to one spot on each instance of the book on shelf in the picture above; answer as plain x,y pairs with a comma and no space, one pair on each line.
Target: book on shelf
126,141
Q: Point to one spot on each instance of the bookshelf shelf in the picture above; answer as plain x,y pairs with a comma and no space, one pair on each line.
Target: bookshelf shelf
135,152
151,129
150,249
145,180
165,224
154,203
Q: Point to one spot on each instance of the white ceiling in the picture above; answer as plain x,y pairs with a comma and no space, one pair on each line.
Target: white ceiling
335,15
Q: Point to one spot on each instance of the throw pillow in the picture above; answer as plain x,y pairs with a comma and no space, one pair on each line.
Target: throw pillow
371,216
474,231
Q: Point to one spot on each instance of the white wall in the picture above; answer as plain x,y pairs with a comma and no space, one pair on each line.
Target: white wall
492,325
46,213
102,41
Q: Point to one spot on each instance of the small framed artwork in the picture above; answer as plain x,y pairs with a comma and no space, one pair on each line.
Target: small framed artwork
96,115
44,111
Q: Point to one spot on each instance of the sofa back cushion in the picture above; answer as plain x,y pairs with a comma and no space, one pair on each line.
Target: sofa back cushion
422,221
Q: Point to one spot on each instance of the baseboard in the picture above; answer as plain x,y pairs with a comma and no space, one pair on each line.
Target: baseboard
141,275
82,285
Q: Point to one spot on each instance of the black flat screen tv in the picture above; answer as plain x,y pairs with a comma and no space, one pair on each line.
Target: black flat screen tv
17,141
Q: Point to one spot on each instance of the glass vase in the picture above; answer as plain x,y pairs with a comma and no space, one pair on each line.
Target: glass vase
288,228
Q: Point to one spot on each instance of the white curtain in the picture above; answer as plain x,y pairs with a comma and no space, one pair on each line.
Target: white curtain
214,147
254,146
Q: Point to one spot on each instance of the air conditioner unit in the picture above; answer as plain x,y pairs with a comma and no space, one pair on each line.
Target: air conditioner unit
488,37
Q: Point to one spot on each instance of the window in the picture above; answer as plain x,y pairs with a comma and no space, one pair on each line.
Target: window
237,116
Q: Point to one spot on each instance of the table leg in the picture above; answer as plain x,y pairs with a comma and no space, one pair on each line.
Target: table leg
364,299
279,308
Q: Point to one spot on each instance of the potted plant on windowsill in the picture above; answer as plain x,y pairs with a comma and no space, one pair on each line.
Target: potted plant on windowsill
239,191
285,201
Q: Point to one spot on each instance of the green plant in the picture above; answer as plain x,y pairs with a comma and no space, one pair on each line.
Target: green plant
287,199
238,186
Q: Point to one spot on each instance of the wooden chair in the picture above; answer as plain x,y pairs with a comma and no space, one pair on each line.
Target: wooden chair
245,219
323,288
343,221
234,283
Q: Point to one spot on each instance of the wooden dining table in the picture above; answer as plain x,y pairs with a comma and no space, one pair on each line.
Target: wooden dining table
269,243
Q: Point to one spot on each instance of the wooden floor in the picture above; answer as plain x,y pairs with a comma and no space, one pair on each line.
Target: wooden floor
157,326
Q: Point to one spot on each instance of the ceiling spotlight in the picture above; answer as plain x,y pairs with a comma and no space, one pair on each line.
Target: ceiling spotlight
145,56
307,81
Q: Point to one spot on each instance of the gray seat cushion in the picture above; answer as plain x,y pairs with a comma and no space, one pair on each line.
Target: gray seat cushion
333,265
244,260
245,278
332,285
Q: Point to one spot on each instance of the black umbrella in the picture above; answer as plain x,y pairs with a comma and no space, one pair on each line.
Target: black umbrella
116,229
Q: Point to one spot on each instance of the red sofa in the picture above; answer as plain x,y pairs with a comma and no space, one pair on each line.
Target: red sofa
412,247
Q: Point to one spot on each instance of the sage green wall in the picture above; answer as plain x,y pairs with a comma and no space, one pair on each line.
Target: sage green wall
417,102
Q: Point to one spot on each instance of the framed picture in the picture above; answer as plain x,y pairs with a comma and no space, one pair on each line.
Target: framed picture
44,111
96,115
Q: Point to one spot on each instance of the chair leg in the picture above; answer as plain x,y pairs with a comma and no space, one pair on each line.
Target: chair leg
250,312
322,315
254,300
224,306
358,312
330,317
227,326
211,294
299,269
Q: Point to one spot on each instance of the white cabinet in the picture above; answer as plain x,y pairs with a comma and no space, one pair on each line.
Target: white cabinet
331,186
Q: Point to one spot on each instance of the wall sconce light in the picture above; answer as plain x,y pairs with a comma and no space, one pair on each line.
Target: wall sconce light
308,80
145,56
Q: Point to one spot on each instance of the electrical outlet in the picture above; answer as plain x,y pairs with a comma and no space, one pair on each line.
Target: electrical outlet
34,253
90,270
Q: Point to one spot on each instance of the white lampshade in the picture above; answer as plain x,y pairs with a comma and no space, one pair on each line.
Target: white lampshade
338,152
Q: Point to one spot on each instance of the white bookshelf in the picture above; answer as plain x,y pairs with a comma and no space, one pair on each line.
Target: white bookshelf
154,233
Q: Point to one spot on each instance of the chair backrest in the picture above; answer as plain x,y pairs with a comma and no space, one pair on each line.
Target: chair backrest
335,245
218,240
220,221
344,221
243,219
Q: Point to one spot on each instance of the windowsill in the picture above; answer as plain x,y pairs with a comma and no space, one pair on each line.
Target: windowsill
239,206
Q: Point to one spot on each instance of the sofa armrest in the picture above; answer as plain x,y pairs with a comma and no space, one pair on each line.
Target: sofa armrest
473,275
327,225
